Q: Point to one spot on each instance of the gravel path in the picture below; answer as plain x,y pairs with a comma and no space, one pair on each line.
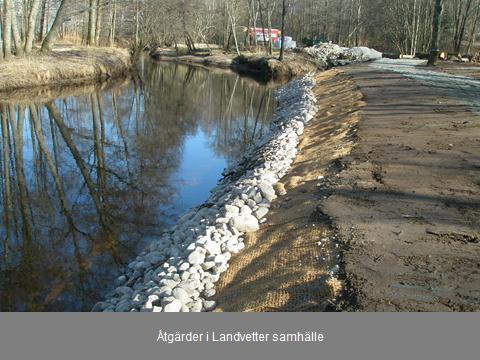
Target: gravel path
464,89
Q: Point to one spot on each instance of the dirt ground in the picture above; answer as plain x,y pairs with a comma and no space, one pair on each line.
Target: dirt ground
400,199
407,204
463,69
285,266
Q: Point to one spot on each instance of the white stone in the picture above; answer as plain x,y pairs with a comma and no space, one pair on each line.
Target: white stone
267,191
261,212
232,209
174,306
212,247
245,223
196,257
181,294
209,305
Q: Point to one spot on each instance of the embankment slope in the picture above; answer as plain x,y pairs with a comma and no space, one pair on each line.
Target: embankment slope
64,66
287,264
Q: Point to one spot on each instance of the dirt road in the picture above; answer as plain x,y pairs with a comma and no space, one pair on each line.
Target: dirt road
407,205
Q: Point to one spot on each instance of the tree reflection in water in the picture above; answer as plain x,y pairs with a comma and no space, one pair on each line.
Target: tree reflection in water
87,181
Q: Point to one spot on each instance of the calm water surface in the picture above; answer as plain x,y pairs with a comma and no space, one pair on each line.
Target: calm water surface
87,181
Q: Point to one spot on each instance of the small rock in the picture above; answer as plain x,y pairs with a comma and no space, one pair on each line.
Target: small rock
246,210
196,257
261,212
152,299
174,306
245,223
209,305
208,265
208,293
212,248
196,306
184,266
181,294
232,209
267,191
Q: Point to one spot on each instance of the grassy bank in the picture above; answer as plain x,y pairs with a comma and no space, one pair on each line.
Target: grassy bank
63,66
248,63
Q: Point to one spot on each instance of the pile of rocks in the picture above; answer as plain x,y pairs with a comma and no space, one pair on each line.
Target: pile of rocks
179,270
327,53
362,54
334,55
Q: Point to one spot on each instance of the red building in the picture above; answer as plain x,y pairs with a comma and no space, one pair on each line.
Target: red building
258,34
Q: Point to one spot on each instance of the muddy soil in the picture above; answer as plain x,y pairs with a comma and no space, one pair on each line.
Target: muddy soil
407,204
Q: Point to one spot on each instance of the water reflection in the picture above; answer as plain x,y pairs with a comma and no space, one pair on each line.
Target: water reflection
88,180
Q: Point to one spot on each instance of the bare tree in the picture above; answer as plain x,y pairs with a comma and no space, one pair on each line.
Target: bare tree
284,13
32,21
52,35
437,21
6,31
15,32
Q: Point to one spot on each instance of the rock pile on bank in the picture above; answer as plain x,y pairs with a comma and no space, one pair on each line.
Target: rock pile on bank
178,271
334,55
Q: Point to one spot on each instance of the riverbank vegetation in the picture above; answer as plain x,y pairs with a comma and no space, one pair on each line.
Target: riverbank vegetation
64,66
392,26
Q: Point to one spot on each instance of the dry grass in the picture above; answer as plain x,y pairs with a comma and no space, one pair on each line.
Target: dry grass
64,66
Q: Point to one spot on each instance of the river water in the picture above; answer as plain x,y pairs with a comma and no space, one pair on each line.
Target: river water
88,179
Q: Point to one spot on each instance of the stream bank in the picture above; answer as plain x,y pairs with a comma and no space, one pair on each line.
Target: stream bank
291,263
296,63
251,64
64,66
178,272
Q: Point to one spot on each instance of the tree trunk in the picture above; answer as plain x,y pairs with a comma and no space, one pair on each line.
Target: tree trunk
463,24
111,36
284,13
137,14
7,27
263,30
473,32
91,23
1,35
98,24
32,20
234,32
43,18
437,22
17,40
51,37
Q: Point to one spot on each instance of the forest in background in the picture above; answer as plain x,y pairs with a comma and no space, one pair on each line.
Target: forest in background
394,26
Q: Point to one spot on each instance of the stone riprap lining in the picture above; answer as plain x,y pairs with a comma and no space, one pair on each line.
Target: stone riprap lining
178,271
